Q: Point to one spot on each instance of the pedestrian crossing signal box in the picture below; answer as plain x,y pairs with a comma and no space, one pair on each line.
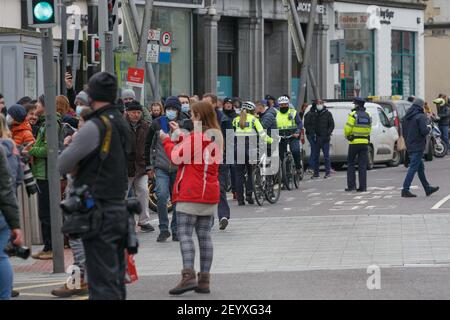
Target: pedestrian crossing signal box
42,13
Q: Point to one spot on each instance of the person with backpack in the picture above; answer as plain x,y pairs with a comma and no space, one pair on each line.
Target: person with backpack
39,153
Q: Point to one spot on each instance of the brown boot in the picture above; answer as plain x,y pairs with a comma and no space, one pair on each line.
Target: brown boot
203,283
65,292
188,282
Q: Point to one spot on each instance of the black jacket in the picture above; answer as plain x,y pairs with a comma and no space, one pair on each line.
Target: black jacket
107,176
324,123
310,121
444,115
415,129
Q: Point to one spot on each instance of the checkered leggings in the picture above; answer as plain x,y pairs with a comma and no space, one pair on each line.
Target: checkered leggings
186,224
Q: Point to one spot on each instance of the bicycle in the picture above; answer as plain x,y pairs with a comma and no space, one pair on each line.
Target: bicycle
291,177
266,186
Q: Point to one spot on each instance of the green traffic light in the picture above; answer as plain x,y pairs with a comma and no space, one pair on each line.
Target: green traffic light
43,11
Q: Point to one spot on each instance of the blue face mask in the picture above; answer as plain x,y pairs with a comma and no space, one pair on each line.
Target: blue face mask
185,108
171,115
78,110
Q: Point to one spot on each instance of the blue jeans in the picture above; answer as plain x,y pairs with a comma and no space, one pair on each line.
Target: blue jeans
313,143
324,145
6,271
163,189
444,133
416,165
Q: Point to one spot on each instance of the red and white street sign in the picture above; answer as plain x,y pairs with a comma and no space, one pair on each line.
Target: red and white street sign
166,38
154,35
135,77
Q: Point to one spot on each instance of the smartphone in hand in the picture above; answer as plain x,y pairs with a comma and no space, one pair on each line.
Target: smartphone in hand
164,124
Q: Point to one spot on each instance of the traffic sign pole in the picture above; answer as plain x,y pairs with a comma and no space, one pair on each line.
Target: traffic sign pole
52,155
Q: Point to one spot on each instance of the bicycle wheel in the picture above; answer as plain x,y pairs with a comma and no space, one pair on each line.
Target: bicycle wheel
259,185
273,187
287,173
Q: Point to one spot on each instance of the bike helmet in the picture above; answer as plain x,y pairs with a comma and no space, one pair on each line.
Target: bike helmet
283,100
248,105
439,101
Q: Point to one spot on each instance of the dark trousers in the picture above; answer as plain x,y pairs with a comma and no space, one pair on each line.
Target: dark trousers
361,151
323,143
105,256
44,213
223,208
232,176
294,145
241,169
416,165
313,144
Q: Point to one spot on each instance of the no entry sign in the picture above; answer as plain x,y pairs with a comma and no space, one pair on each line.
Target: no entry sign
135,77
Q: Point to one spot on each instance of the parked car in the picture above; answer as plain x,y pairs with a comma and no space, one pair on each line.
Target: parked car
383,139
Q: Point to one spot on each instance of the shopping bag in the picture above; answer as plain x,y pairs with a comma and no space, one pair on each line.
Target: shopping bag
131,273
401,144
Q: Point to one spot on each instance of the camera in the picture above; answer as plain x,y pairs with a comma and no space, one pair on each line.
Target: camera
133,207
79,200
76,207
29,181
17,251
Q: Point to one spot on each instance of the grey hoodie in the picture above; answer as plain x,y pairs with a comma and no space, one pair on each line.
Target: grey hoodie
9,207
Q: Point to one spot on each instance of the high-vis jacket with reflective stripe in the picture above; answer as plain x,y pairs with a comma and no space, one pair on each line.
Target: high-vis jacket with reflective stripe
358,127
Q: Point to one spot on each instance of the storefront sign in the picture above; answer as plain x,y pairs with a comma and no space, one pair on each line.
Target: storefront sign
386,16
152,53
306,7
352,20
135,77
224,86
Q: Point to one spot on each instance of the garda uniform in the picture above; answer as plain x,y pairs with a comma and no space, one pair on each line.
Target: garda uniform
252,128
357,130
287,124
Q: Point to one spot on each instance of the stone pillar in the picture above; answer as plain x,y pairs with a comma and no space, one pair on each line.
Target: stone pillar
210,52
251,58
320,59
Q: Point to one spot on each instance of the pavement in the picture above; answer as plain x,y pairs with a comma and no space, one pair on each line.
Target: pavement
317,242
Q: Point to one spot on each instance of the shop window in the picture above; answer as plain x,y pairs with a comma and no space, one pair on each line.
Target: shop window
30,76
359,79
403,63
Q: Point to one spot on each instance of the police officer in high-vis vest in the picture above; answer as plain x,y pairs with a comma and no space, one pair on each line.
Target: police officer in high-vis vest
289,123
357,131
246,125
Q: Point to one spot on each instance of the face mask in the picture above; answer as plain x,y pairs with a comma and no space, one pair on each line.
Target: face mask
185,108
171,115
78,110
284,110
319,107
9,120
238,111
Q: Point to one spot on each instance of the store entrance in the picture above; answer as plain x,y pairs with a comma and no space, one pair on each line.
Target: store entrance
227,60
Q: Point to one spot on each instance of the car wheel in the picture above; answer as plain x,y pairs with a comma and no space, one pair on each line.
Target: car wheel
370,163
396,158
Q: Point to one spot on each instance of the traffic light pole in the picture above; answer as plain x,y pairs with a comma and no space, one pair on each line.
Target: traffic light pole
109,52
64,45
52,154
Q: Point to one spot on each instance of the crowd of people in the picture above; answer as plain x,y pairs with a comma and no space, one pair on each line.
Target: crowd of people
116,146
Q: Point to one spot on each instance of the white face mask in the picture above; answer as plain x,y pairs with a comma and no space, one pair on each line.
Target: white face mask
320,107
9,120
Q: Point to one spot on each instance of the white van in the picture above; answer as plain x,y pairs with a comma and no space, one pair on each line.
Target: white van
383,139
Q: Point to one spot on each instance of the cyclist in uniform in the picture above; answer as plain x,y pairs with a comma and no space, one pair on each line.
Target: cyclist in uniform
246,125
289,123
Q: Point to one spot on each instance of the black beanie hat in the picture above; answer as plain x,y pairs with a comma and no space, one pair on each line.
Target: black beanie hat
102,86
173,102
134,106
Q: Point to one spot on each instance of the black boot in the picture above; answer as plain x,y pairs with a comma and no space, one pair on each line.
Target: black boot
432,190
408,194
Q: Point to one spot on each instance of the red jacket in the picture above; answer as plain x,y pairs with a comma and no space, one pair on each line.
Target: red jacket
198,170
22,133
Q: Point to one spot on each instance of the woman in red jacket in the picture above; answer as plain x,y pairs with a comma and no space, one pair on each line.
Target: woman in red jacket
196,191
